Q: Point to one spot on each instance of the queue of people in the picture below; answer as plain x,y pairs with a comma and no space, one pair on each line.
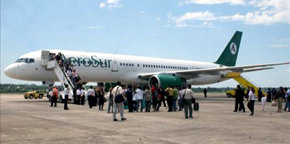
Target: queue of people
273,96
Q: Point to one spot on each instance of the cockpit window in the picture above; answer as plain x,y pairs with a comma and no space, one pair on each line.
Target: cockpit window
19,60
25,60
31,60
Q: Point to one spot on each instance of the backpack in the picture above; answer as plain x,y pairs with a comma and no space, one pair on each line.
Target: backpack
118,98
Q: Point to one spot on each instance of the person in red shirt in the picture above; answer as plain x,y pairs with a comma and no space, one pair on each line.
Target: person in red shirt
54,96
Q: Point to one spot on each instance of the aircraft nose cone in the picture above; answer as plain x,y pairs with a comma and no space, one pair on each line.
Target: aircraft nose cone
10,71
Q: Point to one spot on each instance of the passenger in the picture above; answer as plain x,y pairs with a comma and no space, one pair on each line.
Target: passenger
139,93
239,98
78,98
54,96
274,92
287,100
91,96
129,96
159,99
69,73
205,92
169,92
279,97
117,90
66,93
269,98
135,101
187,96
174,99
180,103
252,98
263,99
260,94
162,94
148,98
58,57
110,104
154,94
101,95
83,95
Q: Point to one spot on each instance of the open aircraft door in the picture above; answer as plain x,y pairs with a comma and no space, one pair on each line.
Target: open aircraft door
44,57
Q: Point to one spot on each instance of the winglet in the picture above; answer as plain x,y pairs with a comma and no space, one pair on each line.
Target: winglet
230,53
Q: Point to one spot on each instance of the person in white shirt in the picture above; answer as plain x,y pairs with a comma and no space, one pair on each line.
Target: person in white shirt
118,90
252,98
66,93
187,96
83,95
264,99
91,96
78,99
287,100
139,94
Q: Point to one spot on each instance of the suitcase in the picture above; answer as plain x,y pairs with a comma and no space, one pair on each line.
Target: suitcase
196,106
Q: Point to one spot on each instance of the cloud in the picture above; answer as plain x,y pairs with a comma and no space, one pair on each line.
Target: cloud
269,12
212,2
266,12
102,5
279,46
111,4
288,70
203,18
95,27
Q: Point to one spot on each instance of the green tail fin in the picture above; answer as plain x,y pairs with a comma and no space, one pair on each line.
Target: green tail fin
230,53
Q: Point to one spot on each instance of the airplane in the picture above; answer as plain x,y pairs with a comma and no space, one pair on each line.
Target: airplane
161,72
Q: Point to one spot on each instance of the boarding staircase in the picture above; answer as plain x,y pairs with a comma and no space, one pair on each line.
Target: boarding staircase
60,73
242,81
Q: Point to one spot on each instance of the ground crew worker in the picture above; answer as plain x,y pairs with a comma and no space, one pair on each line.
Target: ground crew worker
239,99
66,92
54,96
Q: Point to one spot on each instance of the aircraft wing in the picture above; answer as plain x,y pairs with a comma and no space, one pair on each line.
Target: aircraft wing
214,71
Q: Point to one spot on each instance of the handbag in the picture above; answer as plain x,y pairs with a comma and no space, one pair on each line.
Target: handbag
274,103
196,106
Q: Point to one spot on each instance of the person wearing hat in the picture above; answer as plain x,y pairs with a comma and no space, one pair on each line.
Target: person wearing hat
54,96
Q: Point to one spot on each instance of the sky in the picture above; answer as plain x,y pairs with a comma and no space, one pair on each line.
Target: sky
195,30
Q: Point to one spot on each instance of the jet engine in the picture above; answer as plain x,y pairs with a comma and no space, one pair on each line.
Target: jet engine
165,80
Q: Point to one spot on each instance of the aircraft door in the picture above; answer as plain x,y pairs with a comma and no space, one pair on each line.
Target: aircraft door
114,66
44,57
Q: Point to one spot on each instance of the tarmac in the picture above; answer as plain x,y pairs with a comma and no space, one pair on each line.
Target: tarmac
34,122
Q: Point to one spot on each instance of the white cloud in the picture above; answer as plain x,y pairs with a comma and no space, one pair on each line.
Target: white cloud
191,17
269,12
95,27
102,5
279,46
114,3
111,4
212,2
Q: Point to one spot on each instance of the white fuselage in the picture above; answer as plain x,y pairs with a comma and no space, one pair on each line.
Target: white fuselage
100,67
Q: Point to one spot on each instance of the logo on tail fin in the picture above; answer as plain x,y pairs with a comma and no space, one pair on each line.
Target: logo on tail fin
233,48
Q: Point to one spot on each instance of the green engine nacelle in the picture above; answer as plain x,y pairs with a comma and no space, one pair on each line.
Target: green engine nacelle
165,80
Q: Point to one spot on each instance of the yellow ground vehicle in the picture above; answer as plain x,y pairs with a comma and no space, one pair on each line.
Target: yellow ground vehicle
34,94
232,93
